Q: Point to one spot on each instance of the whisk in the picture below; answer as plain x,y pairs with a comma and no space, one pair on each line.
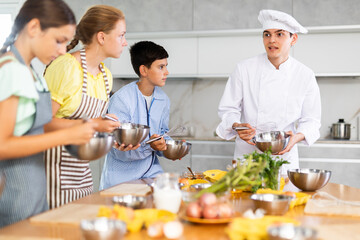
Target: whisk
174,130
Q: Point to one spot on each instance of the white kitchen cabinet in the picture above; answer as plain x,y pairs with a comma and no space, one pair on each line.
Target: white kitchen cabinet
218,56
328,51
330,54
182,61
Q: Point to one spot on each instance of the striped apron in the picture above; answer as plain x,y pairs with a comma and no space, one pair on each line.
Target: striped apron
69,178
24,194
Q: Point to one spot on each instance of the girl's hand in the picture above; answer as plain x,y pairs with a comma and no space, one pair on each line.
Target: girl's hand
81,133
107,125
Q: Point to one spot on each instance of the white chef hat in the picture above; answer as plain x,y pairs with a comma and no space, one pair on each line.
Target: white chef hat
271,19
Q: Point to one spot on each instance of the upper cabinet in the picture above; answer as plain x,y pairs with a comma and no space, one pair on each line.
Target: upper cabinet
328,51
182,61
330,54
218,56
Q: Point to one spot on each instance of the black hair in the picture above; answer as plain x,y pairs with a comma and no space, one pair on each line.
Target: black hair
51,13
145,53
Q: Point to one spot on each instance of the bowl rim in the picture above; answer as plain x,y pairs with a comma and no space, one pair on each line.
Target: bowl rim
283,133
308,171
89,224
177,142
133,126
123,199
285,198
270,230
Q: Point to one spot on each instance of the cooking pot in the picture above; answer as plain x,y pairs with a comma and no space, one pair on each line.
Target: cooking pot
340,130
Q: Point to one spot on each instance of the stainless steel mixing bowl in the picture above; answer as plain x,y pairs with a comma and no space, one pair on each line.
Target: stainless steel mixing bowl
309,179
273,204
98,146
290,232
135,202
176,149
131,133
103,229
274,141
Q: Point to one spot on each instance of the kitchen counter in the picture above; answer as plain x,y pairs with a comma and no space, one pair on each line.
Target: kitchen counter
27,230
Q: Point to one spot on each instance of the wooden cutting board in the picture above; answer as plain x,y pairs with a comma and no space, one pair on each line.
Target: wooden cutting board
328,207
338,231
127,189
70,214
26,238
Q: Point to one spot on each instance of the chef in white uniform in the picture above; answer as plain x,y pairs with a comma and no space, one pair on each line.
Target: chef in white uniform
272,91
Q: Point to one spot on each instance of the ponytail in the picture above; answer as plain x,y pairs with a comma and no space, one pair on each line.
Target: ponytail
73,43
9,40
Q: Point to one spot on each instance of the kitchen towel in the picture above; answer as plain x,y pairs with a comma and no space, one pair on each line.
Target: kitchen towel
326,204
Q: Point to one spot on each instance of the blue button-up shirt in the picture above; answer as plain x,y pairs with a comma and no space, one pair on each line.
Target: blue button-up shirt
129,105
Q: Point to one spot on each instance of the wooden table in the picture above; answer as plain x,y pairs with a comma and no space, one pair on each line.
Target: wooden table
27,230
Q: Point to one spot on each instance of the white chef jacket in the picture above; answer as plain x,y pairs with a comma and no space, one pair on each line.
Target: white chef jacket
257,93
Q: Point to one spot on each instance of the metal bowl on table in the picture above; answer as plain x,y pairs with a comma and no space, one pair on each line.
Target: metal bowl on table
102,229
98,146
273,204
200,186
176,149
135,202
131,133
274,141
309,179
291,232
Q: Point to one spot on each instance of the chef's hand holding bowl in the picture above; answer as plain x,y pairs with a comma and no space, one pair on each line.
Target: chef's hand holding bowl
245,131
294,138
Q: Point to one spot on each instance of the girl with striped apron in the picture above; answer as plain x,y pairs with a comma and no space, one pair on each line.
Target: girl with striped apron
69,178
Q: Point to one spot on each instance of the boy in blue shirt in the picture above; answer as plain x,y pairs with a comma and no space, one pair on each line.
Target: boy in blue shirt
141,102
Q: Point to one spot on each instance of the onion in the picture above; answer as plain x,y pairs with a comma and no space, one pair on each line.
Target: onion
173,229
211,211
207,199
193,210
225,211
291,194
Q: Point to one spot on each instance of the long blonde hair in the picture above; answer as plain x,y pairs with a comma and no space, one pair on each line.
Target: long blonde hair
99,18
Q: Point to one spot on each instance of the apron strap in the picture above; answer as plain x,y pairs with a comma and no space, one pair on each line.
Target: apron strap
84,66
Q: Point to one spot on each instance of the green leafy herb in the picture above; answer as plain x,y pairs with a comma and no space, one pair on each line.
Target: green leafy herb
270,173
257,170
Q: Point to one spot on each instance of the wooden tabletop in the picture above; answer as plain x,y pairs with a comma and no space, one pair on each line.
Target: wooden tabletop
28,230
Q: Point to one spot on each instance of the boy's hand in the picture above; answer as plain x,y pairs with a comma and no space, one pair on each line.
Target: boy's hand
159,145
